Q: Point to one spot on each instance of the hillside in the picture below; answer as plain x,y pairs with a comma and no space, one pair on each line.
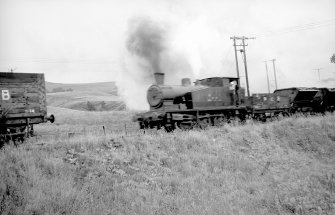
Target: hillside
77,167
106,87
90,97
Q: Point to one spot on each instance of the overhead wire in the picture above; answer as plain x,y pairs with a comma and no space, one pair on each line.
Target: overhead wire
57,61
296,28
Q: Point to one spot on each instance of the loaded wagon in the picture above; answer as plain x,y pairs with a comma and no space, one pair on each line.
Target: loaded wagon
22,104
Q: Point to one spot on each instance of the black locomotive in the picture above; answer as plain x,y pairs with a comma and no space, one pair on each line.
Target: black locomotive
217,100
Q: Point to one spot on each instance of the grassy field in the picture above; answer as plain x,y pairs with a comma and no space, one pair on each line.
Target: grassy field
75,167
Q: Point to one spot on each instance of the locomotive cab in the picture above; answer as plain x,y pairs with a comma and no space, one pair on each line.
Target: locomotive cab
221,91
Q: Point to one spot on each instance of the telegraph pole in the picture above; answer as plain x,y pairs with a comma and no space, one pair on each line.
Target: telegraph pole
267,76
245,66
274,72
11,70
236,61
318,69
243,38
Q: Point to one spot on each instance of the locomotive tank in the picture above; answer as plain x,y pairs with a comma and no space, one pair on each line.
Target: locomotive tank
157,95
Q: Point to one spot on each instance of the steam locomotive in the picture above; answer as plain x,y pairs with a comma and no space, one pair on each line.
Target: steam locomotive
22,105
217,100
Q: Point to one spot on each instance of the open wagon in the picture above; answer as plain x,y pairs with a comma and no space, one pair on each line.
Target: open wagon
22,104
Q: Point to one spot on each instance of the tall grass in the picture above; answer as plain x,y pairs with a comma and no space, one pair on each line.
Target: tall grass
281,167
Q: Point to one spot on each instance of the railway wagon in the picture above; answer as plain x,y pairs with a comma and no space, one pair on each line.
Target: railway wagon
301,98
22,104
268,105
324,100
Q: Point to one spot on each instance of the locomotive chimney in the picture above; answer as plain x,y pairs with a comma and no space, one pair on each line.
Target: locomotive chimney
159,77
186,82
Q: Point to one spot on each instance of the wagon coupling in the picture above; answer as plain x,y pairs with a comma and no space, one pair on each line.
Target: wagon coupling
51,118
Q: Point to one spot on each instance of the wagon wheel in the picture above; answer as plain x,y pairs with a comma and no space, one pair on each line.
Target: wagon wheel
260,117
169,128
145,125
217,121
204,123
242,118
220,120
237,120
27,131
2,140
19,134
141,124
23,137
286,114
281,115
185,125
158,126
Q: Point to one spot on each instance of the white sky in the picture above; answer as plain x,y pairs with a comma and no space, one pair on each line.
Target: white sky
74,41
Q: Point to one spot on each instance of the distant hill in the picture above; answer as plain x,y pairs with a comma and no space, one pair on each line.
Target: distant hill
107,87
329,81
87,97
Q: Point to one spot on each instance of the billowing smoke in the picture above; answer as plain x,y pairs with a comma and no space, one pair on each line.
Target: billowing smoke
147,40
177,49
149,50
145,43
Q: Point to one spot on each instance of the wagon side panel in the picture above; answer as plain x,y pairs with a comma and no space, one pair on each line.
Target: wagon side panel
23,96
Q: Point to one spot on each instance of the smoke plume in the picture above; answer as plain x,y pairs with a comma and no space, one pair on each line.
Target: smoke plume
147,40
149,50
177,49
145,44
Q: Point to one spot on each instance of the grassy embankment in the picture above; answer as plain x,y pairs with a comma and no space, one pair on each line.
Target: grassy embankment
282,167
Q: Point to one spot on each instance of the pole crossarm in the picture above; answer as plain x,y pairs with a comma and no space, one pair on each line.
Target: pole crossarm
242,38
